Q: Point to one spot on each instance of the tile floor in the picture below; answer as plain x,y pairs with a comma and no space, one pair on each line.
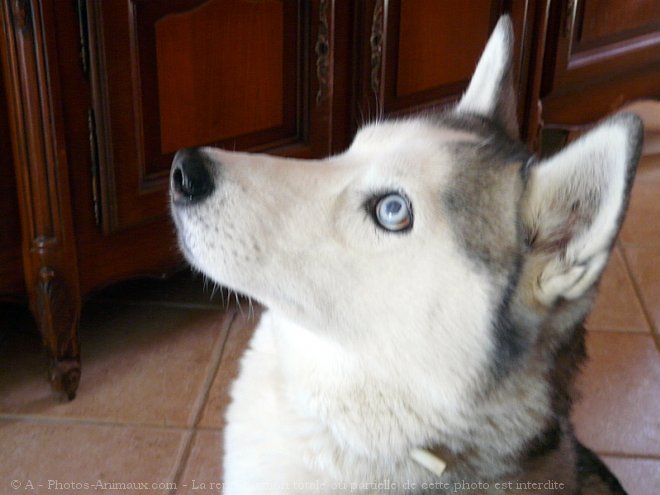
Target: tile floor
158,358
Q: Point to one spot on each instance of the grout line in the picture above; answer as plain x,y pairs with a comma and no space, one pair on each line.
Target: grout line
626,333
626,455
630,331
640,297
216,359
211,429
202,398
639,245
75,421
183,454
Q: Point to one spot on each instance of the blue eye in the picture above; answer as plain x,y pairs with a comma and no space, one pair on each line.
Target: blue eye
393,212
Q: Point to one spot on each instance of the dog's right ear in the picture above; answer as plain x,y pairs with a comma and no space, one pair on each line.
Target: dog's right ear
574,205
490,93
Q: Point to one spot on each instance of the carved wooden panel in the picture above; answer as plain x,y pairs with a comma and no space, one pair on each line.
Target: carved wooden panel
220,94
11,266
241,74
436,36
603,22
422,53
606,50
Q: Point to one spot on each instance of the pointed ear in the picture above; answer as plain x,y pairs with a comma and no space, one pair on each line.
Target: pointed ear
574,205
490,92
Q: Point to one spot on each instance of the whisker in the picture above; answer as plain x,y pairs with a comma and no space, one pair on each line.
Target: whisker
238,303
250,309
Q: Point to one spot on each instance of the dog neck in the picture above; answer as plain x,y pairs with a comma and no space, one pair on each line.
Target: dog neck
439,458
516,421
550,454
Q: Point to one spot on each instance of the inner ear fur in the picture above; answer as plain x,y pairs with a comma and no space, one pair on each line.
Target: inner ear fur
574,206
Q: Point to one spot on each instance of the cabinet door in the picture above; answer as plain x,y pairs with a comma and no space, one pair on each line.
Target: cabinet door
241,74
11,271
422,53
599,54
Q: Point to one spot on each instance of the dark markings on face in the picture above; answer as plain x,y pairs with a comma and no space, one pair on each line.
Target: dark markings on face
484,190
512,338
546,442
482,201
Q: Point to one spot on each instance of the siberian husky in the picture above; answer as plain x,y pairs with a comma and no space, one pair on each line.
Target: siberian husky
426,290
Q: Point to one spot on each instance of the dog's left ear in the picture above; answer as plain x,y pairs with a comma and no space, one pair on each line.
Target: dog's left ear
490,92
574,205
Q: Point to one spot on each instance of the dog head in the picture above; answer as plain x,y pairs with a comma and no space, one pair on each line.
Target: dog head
438,233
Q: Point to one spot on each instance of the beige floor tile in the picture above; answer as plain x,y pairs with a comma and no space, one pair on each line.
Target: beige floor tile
62,458
638,476
620,384
645,268
145,365
642,224
203,471
616,306
240,333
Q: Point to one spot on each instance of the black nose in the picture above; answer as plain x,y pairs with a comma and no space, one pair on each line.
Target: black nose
190,179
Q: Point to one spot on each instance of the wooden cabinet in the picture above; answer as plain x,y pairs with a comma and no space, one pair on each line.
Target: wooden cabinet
599,54
168,75
11,267
421,53
416,55
101,93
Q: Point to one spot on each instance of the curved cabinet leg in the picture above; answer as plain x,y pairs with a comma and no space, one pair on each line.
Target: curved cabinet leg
58,314
42,180
64,376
